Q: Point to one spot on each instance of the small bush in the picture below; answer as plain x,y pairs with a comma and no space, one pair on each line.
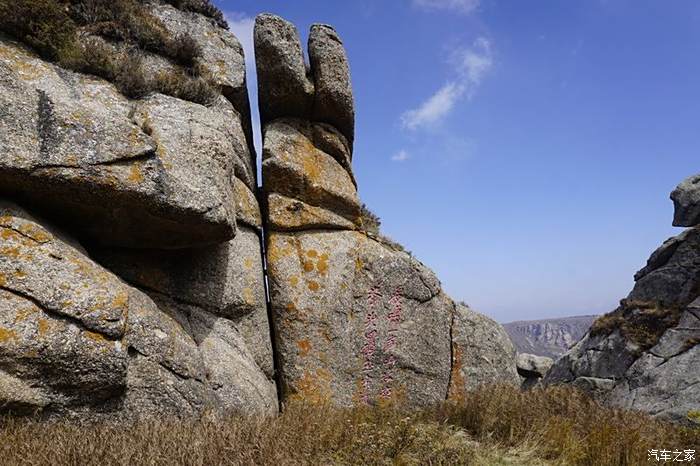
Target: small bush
640,323
129,76
369,221
186,51
203,7
179,84
43,24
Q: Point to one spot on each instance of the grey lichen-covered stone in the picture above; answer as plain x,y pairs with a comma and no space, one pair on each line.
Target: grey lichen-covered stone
284,89
686,202
155,173
293,167
333,98
225,280
247,206
482,353
90,346
530,365
288,214
356,322
672,274
221,54
62,320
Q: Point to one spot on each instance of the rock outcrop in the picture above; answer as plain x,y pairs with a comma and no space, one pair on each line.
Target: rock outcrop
132,273
356,319
548,337
148,298
532,368
645,355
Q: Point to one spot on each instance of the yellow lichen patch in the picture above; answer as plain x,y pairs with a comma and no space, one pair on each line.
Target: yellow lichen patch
457,387
135,174
313,286
248,263
8,233
308,266
3,280
313,388
20,274
359,264
311,253
322,265
121,301
94,336
294,281
304,347
42,327
7,334
22,314
248,296
10,251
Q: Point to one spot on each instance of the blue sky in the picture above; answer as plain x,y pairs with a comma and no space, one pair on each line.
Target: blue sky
524,151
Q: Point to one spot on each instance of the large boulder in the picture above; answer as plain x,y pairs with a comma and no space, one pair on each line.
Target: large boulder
153,173
284,89
686,202
75,340
532,368
357,319
482,353
645,355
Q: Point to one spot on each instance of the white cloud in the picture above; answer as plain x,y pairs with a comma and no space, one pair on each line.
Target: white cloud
462,6
400,156
470,64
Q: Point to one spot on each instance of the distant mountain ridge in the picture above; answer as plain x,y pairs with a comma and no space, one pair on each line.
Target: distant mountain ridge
548,337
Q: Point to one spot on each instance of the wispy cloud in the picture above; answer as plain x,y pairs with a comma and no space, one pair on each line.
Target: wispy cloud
400,156
461,6
470,64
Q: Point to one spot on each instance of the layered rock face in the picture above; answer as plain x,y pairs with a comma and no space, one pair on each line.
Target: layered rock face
356,320
148,297
132,277
548,337
645,355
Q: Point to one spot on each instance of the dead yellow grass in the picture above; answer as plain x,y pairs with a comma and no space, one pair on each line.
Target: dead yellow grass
493,426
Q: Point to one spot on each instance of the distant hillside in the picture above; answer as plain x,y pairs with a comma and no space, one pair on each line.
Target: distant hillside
548,337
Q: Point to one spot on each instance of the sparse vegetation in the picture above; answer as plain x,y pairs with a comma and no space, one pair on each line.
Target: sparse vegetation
77,35
203,7
369,221
640,323
494,425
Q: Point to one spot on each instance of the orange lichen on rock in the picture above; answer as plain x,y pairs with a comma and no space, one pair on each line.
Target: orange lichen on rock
313,286
458,385
7,334
313,388
304,347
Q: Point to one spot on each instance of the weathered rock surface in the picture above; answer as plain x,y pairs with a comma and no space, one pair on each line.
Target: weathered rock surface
356,320
333,99
532,368
646,354
157,172
221,53
482,353
284,89
87,343
686,202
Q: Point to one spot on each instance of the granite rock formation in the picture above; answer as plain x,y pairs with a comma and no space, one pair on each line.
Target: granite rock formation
645,355
132,270
532,368
356,319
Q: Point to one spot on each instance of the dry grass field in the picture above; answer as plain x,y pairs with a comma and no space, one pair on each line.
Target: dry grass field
495,425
